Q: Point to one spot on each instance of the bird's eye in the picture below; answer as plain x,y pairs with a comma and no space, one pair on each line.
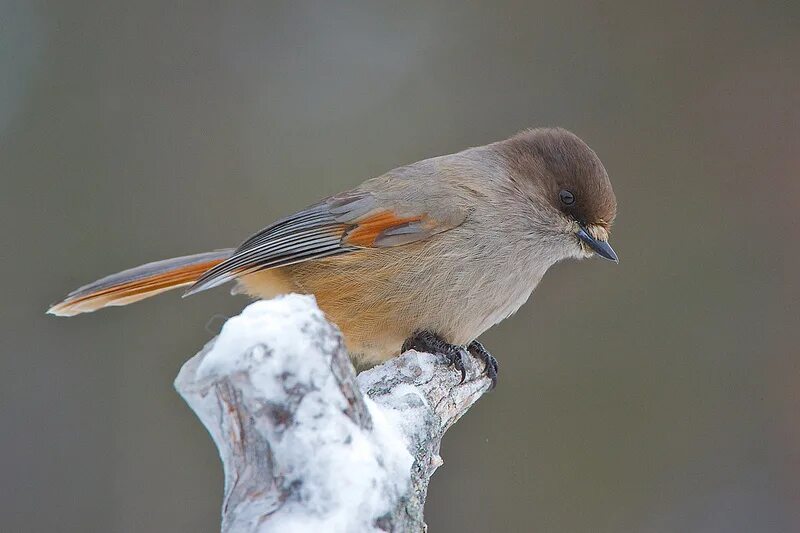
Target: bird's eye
567,198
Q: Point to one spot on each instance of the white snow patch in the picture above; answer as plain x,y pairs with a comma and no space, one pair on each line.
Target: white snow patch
347,476
282,324
348,481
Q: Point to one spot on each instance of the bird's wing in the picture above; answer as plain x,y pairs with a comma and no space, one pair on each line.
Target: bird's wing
338,225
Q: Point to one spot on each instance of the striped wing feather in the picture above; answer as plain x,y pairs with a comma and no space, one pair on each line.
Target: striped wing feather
338,225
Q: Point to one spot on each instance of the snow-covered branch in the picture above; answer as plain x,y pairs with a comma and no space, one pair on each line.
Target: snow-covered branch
305,444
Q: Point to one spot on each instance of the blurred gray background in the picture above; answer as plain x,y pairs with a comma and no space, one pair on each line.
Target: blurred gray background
660,395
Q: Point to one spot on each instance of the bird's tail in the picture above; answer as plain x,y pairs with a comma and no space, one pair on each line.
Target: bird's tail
138,283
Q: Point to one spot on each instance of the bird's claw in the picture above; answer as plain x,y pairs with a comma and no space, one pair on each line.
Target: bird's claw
491,367
456,355
457,358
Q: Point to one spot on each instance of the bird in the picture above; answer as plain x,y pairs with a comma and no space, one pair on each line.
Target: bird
427,256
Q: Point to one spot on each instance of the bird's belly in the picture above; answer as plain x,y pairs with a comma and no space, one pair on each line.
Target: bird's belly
378,298
500,306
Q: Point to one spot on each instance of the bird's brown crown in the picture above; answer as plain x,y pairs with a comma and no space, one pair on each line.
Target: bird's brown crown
566,171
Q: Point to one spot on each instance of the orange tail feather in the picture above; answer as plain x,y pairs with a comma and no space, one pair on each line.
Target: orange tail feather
138,283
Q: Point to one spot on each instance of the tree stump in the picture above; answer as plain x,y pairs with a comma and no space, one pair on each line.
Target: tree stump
307,445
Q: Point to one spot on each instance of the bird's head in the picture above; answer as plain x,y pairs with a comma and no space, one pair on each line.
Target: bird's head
573,204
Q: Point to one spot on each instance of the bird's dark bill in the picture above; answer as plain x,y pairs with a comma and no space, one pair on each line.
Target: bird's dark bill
601,248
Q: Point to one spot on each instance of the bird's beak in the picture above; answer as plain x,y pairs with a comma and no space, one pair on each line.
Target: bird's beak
601,248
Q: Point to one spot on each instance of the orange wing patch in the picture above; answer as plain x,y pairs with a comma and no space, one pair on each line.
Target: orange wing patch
371,227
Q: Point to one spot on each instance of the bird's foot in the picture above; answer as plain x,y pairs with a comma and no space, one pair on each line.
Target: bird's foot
491,367
426,341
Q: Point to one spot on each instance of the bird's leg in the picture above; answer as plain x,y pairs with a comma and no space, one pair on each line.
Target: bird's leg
491,367
427,341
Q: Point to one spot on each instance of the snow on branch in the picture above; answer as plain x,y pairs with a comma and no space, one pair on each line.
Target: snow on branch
305,444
